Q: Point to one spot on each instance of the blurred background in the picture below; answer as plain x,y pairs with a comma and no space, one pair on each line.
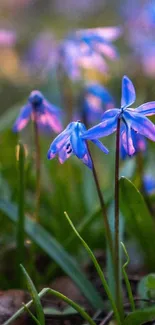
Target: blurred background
30,34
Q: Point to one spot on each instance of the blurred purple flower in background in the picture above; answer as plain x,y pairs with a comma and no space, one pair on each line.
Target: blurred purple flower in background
7,38
149,183
46,115
87,48
41,55
140,27
132,119
95,101
69,142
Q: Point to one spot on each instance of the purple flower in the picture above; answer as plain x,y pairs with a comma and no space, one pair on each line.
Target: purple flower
131,119
69,142
87,48
45,114
42,53
96,100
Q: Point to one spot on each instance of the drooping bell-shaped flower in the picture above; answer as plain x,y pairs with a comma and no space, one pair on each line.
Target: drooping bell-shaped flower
39,109
69,142
131,119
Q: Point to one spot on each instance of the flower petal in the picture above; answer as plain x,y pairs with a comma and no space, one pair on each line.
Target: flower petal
100,145
108,33
23,118
147,109
78,144
65,153
128,92
127,141
106,127
87,160
106,49
60,140
140,124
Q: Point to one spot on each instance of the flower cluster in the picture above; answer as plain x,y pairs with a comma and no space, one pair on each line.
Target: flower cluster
87,48
73,140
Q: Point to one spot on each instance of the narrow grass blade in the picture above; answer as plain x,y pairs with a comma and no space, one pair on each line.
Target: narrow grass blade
98,269
59,295
32,316
51,247
35,297
128,286
21,218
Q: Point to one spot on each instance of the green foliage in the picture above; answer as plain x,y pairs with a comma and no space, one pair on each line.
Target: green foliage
139,222
35,298
49,244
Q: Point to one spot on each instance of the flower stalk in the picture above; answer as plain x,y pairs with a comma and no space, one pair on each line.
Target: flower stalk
116,240
38,169
103,207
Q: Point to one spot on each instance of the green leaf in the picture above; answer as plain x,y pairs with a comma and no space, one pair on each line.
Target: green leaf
146,287
35,297
49,244
140,317
138,219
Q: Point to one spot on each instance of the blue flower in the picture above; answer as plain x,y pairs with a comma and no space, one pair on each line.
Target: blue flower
46,115
86,48
96,100
132,119
149,183
69,142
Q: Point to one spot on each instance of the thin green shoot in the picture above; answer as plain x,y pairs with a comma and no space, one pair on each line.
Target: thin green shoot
128,286
98,269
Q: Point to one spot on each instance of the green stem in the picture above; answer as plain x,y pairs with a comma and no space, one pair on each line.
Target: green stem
38,169
128,286
21,219
103,208
98,269
117,235
59,295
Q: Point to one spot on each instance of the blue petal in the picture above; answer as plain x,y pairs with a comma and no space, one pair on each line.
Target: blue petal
100,145
65,153
127,141
106,127
87,160
60,141
128,92
140,124
49,118
23,118
78,144
147,109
